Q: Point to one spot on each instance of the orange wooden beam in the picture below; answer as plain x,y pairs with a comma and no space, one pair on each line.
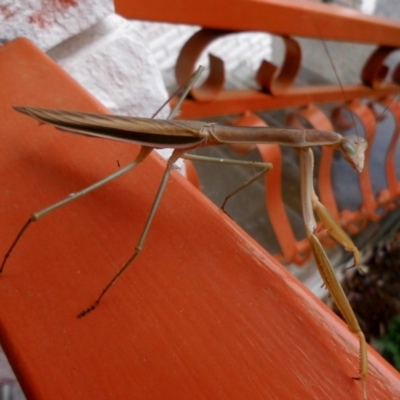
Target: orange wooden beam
282,17
204,312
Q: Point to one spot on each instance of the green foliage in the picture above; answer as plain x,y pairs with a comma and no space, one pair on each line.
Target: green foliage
390,343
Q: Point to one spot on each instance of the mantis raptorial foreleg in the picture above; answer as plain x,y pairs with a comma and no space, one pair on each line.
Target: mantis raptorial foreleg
336,231
310,203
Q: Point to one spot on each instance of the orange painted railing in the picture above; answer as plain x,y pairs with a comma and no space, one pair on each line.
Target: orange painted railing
289,18
204,312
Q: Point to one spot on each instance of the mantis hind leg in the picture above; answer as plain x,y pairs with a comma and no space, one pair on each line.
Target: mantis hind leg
36,216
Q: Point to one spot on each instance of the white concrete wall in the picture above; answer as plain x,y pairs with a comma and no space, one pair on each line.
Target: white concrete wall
102,51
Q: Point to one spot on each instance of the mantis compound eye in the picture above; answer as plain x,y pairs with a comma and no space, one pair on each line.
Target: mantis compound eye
354,148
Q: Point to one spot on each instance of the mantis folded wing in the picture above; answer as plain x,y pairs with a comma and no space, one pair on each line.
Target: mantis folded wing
183,136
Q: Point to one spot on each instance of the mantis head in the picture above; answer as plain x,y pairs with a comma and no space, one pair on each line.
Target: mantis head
353,149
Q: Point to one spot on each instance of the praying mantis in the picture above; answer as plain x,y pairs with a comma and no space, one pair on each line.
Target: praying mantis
183,136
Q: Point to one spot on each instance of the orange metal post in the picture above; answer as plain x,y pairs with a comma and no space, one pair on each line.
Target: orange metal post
203,312
285,18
